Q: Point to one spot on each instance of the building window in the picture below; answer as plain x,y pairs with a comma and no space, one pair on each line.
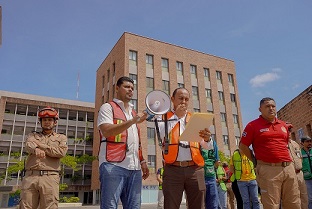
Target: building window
221,96
223,119
151,163
165,86
208,95
235,119
149,84
206,73
135,104
149,59
164,65
219,76
237,140
231,80
133,58
225,139
151,136
132,55
233,98
195,92
180,85
180,68
193,71
134,77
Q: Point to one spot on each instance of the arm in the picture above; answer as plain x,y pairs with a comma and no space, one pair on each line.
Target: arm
245,150
105,121
56,148
30,144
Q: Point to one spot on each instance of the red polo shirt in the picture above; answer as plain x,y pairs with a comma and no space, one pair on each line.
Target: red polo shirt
269,140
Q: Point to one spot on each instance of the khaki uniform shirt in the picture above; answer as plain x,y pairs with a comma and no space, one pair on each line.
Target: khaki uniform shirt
295,153
55,147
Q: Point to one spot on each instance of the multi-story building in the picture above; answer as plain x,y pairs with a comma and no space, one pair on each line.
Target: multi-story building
18,118
299,113
156,65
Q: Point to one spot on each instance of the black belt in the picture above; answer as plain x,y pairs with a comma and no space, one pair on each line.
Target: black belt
184,145
42,172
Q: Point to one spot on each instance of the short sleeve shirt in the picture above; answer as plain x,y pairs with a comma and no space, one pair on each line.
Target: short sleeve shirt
269,140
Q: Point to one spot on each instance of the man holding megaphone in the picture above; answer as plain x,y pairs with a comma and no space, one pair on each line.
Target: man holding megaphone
184,163
122,165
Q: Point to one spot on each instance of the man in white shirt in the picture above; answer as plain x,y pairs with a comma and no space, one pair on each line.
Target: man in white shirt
120,156
183,162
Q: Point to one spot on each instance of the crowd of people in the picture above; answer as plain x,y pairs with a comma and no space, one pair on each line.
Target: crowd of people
267,164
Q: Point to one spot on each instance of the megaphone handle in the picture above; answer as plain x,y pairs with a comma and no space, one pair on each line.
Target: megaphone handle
166,135
158,133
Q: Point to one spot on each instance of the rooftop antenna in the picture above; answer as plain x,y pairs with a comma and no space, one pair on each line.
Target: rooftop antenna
78,81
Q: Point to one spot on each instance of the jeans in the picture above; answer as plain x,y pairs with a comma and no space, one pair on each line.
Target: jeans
309,188
249,192
222,198
211,193
118,182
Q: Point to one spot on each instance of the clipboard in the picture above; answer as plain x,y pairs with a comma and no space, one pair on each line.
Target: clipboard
197,122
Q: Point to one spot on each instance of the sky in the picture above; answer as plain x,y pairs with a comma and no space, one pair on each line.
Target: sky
46,44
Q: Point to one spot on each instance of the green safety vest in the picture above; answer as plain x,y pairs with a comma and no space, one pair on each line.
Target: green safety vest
237,163
209,158
306,164
220,174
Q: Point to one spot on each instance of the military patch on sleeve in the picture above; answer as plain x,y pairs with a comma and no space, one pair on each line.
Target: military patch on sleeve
244,134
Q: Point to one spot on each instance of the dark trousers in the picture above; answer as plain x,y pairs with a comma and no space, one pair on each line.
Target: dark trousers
238,197
178,179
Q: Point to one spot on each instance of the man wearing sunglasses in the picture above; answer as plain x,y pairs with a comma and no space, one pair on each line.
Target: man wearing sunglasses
40,186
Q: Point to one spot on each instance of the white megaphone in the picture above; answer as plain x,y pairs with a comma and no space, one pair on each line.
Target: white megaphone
157,103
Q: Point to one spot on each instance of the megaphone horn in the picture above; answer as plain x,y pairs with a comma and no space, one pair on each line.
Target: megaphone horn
157,103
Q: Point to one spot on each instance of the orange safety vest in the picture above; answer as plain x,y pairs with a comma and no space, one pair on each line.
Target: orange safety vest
173,147
116,146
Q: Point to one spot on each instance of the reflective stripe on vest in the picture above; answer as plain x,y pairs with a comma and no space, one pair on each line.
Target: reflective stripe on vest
173,147
116,146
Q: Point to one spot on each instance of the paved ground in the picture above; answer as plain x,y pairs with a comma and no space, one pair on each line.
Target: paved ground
143,206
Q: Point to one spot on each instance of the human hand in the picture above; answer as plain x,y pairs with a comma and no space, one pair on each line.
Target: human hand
40,153
140,117
145,170
181,110
205,134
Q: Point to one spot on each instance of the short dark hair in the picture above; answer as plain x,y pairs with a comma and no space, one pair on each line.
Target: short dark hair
266,99
123,79
175,91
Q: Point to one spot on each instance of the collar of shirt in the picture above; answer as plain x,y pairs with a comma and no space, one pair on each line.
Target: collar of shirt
121,104
264,121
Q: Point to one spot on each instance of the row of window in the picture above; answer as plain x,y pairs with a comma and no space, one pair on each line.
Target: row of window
179,67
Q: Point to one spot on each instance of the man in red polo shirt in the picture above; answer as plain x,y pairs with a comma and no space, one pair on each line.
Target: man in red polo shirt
276,174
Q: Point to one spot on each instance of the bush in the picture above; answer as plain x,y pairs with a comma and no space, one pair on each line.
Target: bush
69,200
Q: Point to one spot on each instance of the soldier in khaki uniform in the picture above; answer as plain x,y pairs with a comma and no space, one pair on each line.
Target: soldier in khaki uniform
40,186
295,152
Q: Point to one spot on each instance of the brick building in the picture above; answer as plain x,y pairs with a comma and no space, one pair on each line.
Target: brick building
299,112
18,118
156,65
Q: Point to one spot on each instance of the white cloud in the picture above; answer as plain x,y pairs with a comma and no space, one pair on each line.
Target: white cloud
261,80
